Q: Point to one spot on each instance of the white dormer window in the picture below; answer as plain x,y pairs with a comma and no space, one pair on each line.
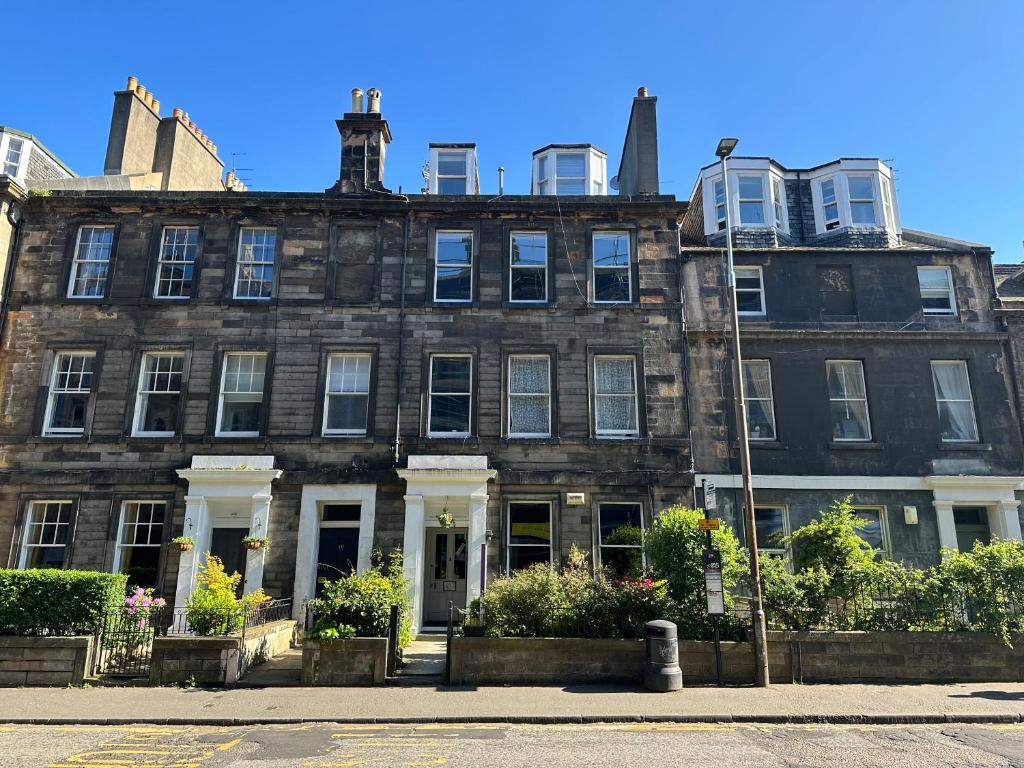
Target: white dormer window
719,204
830,205
453,170
777,208
12,157
751,199
862,200
575,170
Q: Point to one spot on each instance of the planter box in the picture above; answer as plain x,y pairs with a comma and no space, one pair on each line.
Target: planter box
545,661
59,661
354,661
221,660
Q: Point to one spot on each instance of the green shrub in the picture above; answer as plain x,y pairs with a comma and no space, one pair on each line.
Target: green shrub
675,545
214,608
57,602
363,603
832,542
541,602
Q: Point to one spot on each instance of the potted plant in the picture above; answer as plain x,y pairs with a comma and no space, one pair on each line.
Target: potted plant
183,543
445,519
255,542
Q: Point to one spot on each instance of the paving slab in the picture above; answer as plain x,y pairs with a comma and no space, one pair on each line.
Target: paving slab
993,702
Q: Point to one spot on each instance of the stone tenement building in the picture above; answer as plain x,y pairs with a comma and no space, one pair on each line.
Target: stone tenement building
337,371
876,363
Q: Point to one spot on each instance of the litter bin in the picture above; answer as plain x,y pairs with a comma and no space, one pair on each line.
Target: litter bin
661,669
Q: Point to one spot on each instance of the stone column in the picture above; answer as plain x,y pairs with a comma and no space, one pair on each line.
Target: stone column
476,537
947,527
259,524
1006,519
412,553
196,526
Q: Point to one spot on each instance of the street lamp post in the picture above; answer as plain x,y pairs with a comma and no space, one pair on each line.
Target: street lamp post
725,148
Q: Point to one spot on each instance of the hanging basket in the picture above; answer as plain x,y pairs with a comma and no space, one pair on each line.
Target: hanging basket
445,519
255,542
183,543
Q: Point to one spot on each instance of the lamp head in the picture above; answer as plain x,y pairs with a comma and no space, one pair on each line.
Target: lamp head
725,147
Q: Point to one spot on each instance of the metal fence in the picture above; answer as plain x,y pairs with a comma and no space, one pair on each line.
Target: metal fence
124,639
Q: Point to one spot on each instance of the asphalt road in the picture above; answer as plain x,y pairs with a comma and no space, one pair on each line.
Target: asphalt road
481,746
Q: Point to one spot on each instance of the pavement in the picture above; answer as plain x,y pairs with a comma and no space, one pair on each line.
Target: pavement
853,704
324,745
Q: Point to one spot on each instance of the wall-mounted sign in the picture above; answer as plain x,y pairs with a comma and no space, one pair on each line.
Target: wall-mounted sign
708,524
713,588
575,499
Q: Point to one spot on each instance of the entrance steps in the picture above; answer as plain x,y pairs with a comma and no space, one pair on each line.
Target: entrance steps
423,662
284,670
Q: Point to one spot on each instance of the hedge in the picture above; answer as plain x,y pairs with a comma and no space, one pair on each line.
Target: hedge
50,601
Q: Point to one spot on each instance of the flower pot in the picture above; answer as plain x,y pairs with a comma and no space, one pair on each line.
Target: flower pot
254,545
184,546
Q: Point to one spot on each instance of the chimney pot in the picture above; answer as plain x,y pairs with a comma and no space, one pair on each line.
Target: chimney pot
176,112
357,99
156,106
213,148
140,91
642,92
373,101
132,83
191,126
149,99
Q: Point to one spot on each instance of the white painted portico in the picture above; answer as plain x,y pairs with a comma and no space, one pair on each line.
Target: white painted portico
234,482
454,477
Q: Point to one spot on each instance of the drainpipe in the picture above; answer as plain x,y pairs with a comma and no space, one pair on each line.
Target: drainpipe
15,217
401,338
685,353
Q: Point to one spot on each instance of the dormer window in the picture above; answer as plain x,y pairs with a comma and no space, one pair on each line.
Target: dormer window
777,208
829,203
751,199
574,169
453,169
719,204
12,158
757,196
862,200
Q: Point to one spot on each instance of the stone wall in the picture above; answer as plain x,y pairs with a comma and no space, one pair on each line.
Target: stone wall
355,661
57,661
222,660
544,661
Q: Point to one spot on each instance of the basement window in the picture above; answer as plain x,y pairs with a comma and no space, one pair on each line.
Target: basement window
529,534
622,537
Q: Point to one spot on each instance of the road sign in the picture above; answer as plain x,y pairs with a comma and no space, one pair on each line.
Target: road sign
708,524
710,496
713,587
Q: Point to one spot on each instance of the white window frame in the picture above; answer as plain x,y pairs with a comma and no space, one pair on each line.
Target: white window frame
885,185
508,531
262,263
163,261
770,399
778,202
867,406
431,393
970,401
883,524
512,267
718,203
439,177
949,293
629,264
643,531
141,395
759,291
51,395
618,433
22,153
830,224
29,524
781,551
850,199
77,262
759,200
545,171
328,394
218,430
584,179
120,546
438,264
510,395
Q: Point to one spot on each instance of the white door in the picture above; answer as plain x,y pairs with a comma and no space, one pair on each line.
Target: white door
445,577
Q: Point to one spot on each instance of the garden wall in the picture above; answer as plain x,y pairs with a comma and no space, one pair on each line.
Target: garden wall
59,661
221,660
353,661
793,657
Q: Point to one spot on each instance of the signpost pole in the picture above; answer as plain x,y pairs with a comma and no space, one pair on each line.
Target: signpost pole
713,577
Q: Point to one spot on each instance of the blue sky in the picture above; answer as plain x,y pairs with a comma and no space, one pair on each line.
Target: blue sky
934,87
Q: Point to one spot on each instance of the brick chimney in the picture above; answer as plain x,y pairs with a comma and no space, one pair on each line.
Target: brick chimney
364,139
638,169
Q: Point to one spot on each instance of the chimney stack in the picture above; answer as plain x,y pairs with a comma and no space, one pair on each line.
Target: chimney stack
364,140
638,168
